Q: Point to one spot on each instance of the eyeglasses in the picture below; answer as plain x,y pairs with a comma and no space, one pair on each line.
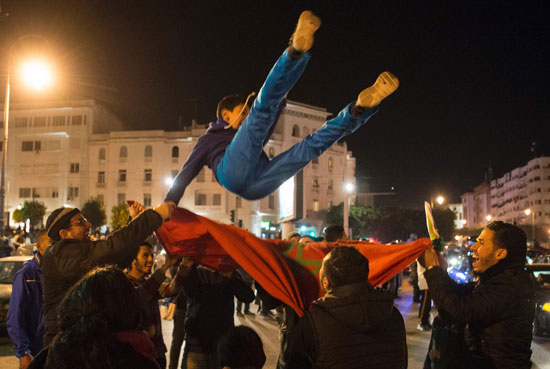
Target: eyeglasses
80,222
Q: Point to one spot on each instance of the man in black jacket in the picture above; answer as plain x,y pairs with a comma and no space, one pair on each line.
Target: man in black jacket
498,310
73,253
210,310
353,325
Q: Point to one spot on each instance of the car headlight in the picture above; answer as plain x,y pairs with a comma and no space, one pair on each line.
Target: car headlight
546,306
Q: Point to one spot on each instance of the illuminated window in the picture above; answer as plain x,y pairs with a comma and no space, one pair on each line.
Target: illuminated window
330,164
315,205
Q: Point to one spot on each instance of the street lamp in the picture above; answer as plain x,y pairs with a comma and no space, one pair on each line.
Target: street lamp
350,188
489,217
532,213
440,200
38,74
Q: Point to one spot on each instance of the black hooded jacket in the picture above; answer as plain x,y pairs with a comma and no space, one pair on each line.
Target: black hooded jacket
352,326
498,312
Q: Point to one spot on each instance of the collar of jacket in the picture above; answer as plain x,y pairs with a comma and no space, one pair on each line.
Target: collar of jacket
496,269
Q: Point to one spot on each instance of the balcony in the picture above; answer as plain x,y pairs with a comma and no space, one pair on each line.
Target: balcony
147,183
100,184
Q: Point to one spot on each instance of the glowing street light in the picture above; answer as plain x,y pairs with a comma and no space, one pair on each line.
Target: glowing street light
440,200
489,218
38,75
350,189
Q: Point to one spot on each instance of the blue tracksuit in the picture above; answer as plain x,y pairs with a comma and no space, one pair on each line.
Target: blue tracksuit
25,322
243,169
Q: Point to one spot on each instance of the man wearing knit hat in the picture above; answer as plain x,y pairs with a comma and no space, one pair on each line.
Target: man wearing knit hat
72,253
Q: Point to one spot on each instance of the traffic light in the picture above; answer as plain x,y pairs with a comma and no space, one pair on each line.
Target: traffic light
232,216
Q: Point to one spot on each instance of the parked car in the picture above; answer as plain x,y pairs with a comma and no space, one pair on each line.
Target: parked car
8,267
540,275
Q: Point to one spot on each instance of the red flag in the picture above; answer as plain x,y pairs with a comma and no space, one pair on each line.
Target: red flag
226,247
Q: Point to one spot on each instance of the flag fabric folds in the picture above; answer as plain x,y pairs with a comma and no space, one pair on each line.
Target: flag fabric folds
286,271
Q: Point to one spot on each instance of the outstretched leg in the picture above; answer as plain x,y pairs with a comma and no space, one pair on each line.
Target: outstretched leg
271,174
241,156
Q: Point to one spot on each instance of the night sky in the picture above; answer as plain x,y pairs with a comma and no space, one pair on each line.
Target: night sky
474,74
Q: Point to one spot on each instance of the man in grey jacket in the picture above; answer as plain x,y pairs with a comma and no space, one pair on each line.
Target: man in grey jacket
72,253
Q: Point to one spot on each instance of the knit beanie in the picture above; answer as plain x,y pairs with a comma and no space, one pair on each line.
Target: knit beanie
60,219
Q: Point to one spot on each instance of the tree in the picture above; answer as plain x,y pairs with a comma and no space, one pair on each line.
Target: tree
387,224
18,216
119,216
32,210
94,212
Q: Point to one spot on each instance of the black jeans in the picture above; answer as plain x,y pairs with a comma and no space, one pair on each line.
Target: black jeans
425,307
178,335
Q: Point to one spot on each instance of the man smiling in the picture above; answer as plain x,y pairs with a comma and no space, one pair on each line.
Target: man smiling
498,309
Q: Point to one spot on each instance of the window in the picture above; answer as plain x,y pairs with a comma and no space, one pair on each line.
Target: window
147,199
271,202
40,121
148,175
121,198
76,120
122,175
295,131
101,199
31,146
73,193
315,183
21,122
330,164
54,192
75,168
200,199
175,152
1,145
217,200
315,205
200,176
330,184
238,202
24,192
148,151
315,160
123,152
100,177
58,121
101,156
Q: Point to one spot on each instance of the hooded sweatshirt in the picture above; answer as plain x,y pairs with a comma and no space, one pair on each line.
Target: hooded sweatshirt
209,150
352,326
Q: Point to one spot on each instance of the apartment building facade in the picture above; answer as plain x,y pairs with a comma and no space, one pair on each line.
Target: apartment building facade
87,154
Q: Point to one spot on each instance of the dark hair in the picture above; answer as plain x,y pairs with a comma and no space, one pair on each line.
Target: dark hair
145,243
346,265
512,238
333,233
229,103
241,347
99,305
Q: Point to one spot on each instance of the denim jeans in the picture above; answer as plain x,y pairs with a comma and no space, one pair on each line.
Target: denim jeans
244,170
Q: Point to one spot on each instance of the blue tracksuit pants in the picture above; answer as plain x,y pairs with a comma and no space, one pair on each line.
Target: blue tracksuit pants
247,173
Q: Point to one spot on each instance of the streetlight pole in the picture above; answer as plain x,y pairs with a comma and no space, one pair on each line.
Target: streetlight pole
5,150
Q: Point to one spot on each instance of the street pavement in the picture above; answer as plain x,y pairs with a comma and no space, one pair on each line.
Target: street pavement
417,341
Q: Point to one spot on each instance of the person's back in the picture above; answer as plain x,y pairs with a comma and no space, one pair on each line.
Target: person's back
353,325
358,327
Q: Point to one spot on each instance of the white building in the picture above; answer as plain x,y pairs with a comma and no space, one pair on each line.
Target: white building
66,153
476,206
459,216
526,187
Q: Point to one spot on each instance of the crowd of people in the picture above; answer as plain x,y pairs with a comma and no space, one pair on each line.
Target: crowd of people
83,303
